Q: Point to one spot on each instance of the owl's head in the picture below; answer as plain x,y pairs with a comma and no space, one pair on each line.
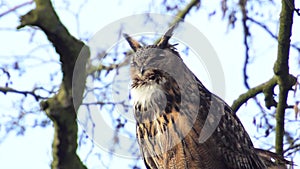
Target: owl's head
152,63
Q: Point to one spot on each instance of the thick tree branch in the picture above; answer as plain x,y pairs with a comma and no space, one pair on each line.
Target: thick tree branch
60,108
281,71
266,88
282,78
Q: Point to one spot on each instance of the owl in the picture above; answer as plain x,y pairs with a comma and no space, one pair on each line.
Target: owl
179,122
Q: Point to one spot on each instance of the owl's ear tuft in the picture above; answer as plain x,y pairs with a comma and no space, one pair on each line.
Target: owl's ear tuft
133,43
164,41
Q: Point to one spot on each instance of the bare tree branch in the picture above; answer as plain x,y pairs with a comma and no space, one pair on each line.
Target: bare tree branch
263,26
60,108
6,90
16,7
243,4
266,88
281,71
182,13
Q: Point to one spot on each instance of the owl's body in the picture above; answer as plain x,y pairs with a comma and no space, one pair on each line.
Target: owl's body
180,124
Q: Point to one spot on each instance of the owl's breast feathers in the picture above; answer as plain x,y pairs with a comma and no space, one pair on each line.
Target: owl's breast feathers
169,127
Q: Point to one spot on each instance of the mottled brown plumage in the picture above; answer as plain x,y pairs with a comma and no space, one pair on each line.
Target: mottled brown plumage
180,124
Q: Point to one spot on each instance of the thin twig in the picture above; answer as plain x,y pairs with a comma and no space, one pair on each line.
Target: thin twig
265,27
16,7
6,90
182,13
243,4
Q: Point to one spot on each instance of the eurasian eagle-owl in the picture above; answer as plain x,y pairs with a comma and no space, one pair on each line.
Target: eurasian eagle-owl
175,113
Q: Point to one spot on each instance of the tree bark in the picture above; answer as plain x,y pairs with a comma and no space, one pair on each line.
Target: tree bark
60,108
281,70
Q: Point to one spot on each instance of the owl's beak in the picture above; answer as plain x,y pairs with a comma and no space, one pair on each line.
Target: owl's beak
142,70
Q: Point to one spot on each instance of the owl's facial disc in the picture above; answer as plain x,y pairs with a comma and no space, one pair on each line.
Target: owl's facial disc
144,76
145,65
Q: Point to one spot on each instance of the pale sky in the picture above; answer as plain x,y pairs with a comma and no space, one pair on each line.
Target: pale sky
33,150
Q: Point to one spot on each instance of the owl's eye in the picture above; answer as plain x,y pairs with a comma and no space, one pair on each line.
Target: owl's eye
152,77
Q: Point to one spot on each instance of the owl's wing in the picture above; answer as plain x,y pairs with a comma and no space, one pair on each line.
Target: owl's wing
234,143
228,141
240,153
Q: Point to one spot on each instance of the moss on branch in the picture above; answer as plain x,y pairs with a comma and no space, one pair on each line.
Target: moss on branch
282,78
182,13
267,88
60,108
281,71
